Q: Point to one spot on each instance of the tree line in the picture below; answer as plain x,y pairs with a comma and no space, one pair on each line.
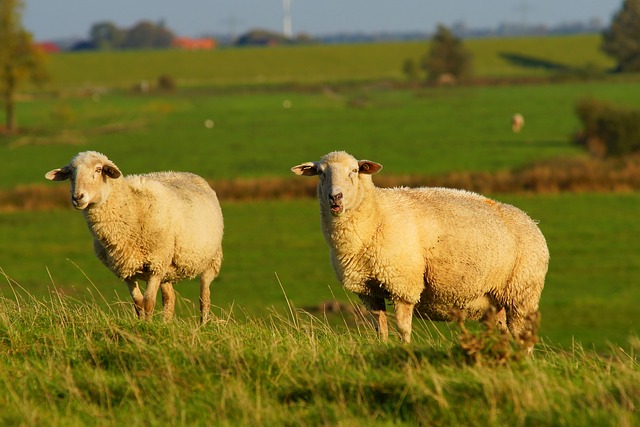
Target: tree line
147,35
143,35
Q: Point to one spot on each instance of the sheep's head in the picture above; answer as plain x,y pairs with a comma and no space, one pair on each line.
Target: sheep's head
343,180
89,173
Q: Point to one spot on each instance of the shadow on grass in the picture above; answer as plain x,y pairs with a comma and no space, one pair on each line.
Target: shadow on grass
560,71
527,61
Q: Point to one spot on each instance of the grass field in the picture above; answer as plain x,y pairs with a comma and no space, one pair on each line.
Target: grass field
425,131
314,64
410,132
71,352
590,294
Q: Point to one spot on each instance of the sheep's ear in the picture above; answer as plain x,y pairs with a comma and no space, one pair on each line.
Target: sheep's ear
60,174
111,170
368,167
307,169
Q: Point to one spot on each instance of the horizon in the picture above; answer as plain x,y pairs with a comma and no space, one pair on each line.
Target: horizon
69,19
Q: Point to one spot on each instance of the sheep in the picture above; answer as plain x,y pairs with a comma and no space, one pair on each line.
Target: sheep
160,227
432,251
517,122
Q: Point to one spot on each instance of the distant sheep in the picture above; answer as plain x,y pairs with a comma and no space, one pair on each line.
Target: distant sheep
429,250
517,122
160,227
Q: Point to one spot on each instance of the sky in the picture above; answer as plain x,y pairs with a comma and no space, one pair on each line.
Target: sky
59,19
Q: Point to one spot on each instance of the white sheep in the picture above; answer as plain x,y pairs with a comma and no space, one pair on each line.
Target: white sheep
159,227
429,250
517,122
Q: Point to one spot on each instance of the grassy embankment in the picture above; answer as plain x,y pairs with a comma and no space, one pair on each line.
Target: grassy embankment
69,364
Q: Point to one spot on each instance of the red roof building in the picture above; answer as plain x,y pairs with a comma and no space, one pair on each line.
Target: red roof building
193,44
48,47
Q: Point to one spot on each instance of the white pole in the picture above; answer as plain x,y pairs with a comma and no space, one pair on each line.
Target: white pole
286,24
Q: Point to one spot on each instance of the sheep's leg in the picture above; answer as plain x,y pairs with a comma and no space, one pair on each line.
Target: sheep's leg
136,295
205,294
498,317
206,278
150,294
501,320
378,310
381,323
168,300
404,315
205,299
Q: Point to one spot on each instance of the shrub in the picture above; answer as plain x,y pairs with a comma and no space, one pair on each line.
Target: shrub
410,70
166,83
447,57
608,130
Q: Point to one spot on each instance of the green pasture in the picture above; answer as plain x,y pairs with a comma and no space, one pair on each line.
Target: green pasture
423,132
319,64
223,122
71,352
274,251
547,56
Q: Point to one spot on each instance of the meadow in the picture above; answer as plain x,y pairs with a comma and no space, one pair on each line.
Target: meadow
274,251
72,353
316,64
424,131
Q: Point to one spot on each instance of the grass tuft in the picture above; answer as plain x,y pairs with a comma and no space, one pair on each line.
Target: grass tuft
491,345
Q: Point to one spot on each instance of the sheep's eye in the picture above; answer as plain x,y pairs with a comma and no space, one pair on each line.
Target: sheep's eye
98,170
355,171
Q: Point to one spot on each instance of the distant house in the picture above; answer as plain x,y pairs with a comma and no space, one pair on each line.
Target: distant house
186,43
48,47
259,37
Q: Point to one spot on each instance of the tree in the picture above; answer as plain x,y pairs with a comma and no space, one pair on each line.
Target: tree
147,35
447,57
621,40
106,35
20,59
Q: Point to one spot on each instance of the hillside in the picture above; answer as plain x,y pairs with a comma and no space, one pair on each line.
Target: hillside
319,64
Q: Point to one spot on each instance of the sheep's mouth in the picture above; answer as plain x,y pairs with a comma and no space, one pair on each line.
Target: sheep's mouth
79,204
336,209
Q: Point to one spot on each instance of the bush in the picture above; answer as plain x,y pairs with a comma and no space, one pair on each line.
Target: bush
166,83
447,57
411,70
608,130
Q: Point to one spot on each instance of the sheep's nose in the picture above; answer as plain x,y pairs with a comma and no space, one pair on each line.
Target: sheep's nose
335,198
77,197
